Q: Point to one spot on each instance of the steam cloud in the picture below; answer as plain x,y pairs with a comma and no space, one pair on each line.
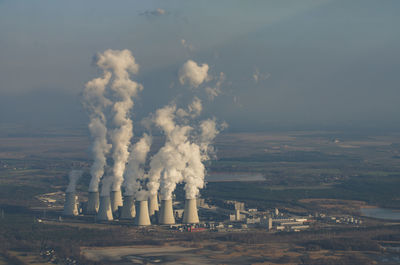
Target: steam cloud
117,67
186,146
193,74
134,171
180,159
168,163
121,63
74,176
95,102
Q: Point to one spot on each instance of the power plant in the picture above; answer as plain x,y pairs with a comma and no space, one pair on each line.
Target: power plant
179,160
105,213
92,206
137,211
128,211
190,215
166,214
70,206
153,204
142,217
116,200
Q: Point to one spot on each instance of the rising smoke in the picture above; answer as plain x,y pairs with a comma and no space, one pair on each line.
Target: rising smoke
181,158
95,104
122,64
188,141
74,176
134,171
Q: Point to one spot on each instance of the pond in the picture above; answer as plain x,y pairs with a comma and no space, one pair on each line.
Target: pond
234,176
381,213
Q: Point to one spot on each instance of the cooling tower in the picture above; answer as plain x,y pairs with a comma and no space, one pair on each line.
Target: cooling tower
105,213
190,215
166,213
70,206
153,204
93,203
142,216
128,209
116,200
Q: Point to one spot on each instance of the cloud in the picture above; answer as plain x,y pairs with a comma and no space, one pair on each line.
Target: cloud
257,76
194,109
193,74
187,45
157,12
213,92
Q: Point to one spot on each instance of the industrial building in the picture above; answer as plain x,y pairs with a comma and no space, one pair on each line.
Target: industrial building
142,213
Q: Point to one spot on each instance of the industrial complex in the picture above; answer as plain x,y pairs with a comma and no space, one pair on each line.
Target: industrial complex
195,215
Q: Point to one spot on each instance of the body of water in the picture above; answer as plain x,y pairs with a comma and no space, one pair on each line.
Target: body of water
381,213
234,176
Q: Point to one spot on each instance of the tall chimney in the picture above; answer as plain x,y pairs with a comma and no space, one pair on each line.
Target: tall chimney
142,216
116,200
93,203
105,213
153,204
190,215
166,213
70,206
128,209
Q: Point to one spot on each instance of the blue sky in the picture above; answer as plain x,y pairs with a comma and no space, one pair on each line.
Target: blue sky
320,63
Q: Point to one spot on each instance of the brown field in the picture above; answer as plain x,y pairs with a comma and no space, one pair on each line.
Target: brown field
33,175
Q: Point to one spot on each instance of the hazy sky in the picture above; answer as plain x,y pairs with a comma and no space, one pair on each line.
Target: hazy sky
318,63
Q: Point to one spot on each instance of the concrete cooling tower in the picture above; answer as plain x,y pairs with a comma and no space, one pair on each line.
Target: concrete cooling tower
116,200
142,216
128,209
166,213
93,203
153,204
70,206
190,215
105,213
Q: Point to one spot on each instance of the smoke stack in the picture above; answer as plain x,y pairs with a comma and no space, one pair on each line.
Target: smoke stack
153,204
116,200
142,216
166,213
190,215
70,206
128,209
93,203
105,213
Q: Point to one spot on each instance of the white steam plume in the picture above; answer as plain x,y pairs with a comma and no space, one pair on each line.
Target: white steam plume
95,102
193,74
164,118
196,153
74,176
179,159
194,171
202,151
167,164
209,129
121,63
134,171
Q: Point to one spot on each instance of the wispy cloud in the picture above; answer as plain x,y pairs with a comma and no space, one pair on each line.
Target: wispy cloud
154,13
